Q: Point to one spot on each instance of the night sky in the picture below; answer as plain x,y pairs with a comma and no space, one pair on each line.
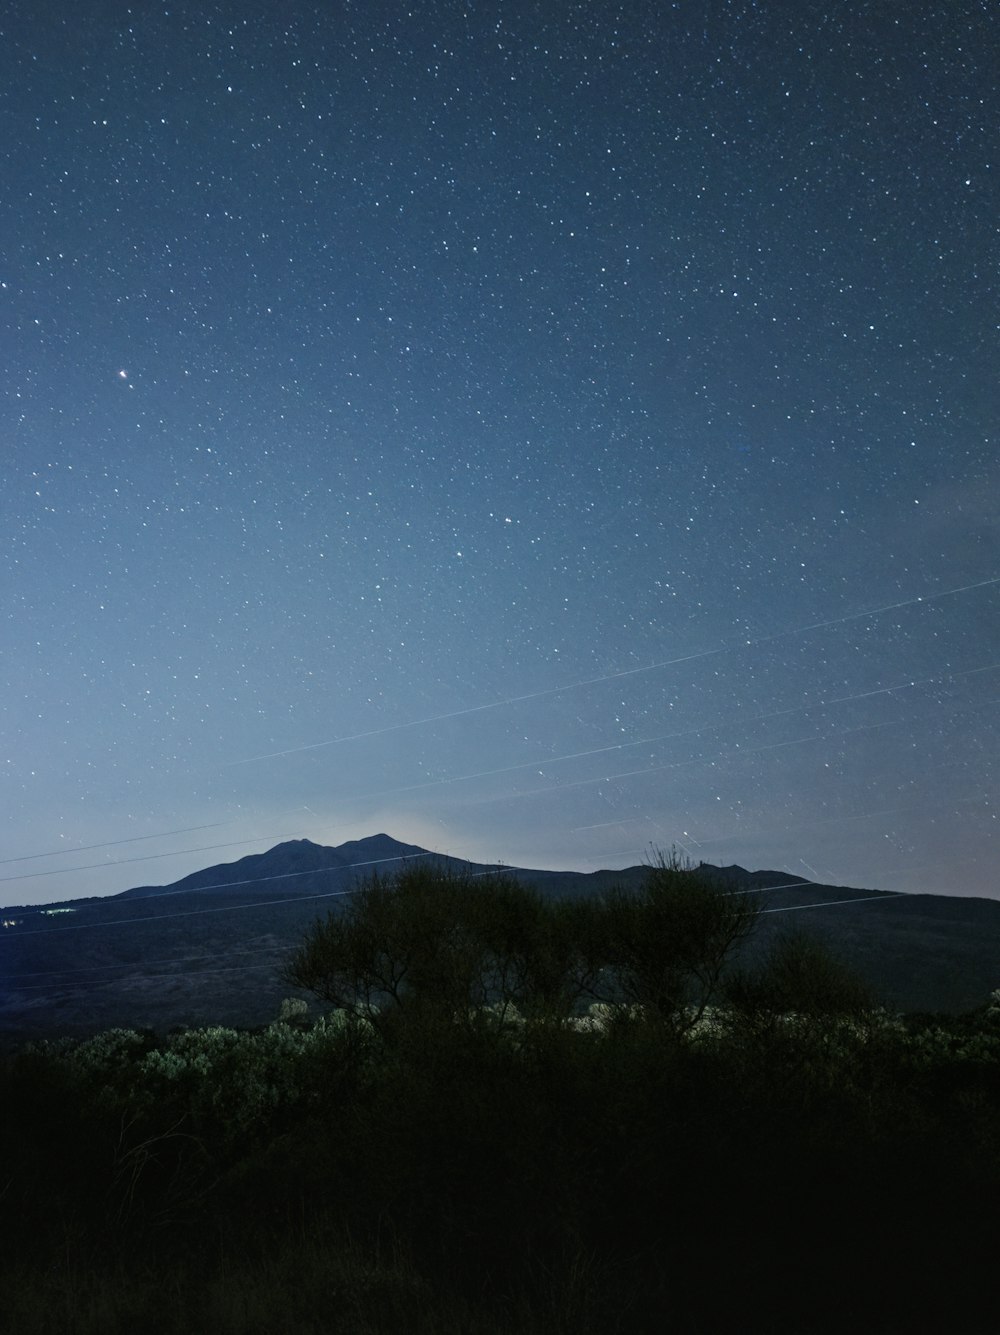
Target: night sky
539,431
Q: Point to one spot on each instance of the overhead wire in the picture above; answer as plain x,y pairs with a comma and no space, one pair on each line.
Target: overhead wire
131,964
145,975
621,746
221,908
112,843
626,672
146,857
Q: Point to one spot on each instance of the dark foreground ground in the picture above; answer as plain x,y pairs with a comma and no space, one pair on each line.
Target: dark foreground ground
804,1177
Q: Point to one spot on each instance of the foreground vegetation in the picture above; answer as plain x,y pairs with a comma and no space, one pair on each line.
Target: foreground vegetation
517,1117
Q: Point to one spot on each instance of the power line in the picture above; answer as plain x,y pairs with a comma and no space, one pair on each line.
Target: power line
616,676
535,764
146,857
139,838
189,913
132,964
113,843
224,908
192,974
827,903
673,736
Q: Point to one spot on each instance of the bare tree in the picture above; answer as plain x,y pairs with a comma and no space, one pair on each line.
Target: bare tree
668,945
431,942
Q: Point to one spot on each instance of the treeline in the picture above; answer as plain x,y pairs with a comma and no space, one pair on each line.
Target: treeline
516,1115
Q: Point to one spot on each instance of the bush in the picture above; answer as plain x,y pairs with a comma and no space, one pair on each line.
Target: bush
451,947
444,946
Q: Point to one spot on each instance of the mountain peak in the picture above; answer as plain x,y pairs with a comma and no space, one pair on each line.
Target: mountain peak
378,848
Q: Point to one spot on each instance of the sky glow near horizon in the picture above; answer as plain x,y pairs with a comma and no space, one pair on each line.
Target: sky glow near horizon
536,431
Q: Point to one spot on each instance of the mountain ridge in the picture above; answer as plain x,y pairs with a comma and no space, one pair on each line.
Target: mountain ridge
292,857
206,949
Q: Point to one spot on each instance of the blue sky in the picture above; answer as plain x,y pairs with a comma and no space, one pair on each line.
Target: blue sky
538,432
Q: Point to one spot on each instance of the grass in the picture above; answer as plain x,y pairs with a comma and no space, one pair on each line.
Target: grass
306,1285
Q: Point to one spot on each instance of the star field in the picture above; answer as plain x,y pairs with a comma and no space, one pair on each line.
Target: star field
534,430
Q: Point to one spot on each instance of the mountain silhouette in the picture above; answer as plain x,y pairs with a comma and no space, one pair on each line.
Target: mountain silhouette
206,949
295,867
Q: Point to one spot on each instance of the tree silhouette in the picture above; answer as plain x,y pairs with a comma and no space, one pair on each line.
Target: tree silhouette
434,942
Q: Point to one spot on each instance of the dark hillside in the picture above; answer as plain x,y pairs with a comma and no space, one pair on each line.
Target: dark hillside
206,949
